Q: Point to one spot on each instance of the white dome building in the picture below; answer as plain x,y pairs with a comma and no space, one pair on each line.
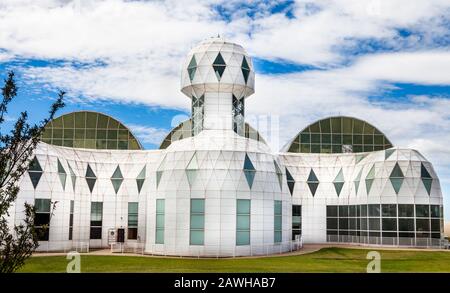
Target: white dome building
214,187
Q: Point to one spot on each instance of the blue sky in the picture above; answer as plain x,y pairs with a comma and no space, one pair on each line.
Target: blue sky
387,62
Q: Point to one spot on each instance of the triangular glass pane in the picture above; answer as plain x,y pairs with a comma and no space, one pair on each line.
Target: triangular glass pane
142,173
192,68
248,165
193,164
158,177
140,179
191,71
388,153
313,187
35,177
89,172
34,165
91,183
312,177
72,176
60,168
424,172
371,174
427,182
219,60
339,177
368,185
396,172
140,183
250,176
117,174
359,158
62,179
61,174
219,71
116,184
396,183
290,181
338,186
245,64
193,62
291,186
245,69
191,175
289,176
219,66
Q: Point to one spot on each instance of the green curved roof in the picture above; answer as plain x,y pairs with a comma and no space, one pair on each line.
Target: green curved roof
89,130
339,135
184,130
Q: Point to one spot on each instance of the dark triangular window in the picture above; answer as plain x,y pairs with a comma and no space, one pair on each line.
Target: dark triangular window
62,174
249,171
388,153
72,176
369,179
35,172
158,177
192,67
245,69
219,66
117,179
312,182
427,180
338,182
396,178
90,178
140,179
290,181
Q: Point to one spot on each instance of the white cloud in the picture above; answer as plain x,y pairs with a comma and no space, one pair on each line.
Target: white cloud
147,134
322,28
5,57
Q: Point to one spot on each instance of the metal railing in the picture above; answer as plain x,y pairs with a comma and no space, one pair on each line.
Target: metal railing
127,247
218,251
63,246
389,241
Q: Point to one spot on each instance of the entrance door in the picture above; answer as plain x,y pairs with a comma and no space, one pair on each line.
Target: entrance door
121,235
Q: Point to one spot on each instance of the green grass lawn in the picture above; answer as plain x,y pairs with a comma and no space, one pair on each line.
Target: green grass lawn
324,260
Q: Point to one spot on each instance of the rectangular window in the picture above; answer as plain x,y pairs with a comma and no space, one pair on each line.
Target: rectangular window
133,220
197,228
71,220
332,211
406,224
422,211
277,210
296,220
389,210
243,222
435,211
42,218
406,210
374,210
160,207
96,220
